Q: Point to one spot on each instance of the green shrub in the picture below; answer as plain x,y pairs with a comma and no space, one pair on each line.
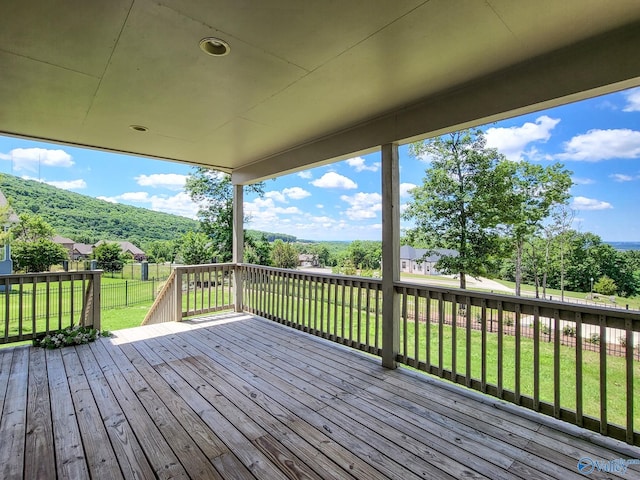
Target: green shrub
605,286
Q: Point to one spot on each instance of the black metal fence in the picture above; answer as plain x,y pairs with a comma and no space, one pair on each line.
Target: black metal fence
130,271
128,293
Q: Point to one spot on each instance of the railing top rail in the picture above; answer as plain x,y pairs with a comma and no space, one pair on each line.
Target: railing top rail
202,267
333,276
566,311
15,278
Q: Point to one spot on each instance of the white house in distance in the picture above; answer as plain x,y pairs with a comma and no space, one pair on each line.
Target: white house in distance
6,264
413,260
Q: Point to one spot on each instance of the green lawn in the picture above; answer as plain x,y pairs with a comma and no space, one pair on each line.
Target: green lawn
128,317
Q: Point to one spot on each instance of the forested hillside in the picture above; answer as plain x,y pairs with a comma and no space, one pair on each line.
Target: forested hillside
88,220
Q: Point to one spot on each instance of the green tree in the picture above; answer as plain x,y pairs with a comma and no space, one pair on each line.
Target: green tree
38,256
257,250
284,255
532,191
213,191
31,228
196,248
459,203
109,257
5,212
605,286
160,251
32,249
323,254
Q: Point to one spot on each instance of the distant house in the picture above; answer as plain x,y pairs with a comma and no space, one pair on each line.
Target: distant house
413,260
65,242
129,248
81,251
308,260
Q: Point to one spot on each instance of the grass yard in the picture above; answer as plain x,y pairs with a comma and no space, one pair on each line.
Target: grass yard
127,317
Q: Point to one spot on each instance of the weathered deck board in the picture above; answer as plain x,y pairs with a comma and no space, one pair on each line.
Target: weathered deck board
14,414
238,397
39,435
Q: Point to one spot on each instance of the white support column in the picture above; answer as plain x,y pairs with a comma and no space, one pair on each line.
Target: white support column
390,254
238,244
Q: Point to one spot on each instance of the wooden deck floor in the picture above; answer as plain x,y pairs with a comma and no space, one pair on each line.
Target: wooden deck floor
236,396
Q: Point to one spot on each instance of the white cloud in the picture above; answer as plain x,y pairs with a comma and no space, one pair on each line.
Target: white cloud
179,204
306,174
69,184
620,177
405,188
170,181
633,100
363,205
288,210
319,206
296,193
63,184
275,195
359,164
596,145
584,203
513,140
334,180
30,159
134,196
582,181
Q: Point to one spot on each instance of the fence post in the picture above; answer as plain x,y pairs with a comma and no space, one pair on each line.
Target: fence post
97,287
126,293
177,295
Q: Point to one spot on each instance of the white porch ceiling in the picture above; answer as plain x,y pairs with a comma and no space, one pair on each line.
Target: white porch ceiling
305,81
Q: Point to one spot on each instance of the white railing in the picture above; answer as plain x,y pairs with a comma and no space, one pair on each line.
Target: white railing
193,290
35,304
578,363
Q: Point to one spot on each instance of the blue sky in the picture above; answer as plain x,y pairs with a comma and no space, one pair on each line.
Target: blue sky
597,139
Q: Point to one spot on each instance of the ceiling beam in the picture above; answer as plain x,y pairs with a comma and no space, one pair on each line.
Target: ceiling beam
596,66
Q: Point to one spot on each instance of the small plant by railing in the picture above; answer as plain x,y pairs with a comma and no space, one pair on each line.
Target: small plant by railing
41,303
68,336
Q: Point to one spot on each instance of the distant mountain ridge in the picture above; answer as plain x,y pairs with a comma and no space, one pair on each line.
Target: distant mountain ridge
86,219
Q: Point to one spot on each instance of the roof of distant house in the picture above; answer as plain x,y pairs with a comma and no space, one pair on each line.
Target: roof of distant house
83,248
125,246
62,240
409,253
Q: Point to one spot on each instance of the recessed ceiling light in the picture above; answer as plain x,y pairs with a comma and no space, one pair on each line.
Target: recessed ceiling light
214,46
139,128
